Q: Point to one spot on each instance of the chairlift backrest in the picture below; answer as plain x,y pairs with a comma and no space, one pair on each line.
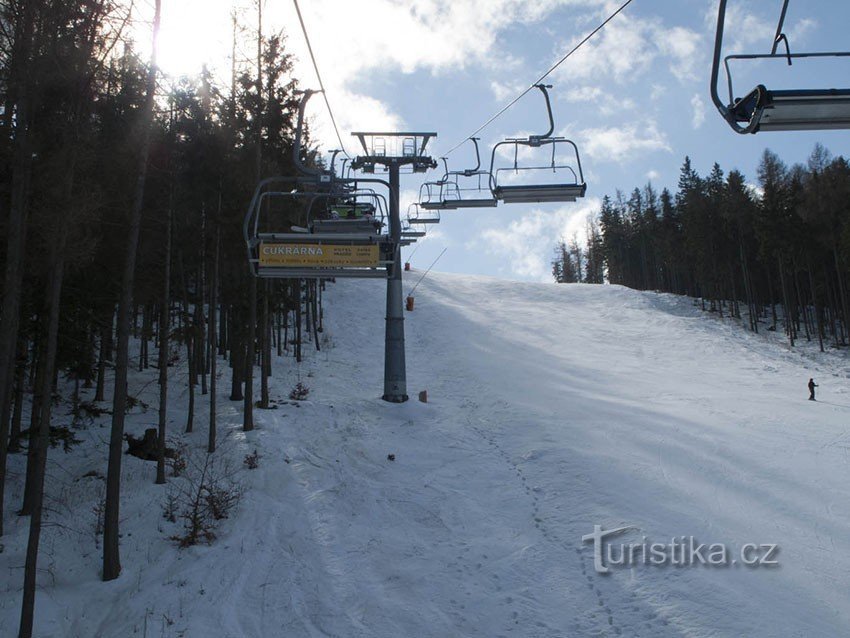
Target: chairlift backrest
763,109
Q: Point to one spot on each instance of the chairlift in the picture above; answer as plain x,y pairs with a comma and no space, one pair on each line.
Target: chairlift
440,194
469,188
408,232
417,214
763,109
273,225
540,191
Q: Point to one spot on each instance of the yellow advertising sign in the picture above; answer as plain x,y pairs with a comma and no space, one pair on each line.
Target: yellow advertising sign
319,255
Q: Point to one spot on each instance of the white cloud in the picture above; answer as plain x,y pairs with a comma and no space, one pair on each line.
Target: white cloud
744,31
353,39
802,29
628,47
698,108
585,94
503,91
430,34
352,112
658,92
682,47
653,175
527,243
620,144
600,98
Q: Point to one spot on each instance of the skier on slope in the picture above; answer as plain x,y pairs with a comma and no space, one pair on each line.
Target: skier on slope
812,386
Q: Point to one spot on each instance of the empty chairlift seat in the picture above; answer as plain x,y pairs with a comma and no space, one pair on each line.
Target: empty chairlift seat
469,188
418,214
792,110
763,109
436,196
556,181
539,193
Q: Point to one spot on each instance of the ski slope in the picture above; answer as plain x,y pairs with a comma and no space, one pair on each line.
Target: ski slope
551,409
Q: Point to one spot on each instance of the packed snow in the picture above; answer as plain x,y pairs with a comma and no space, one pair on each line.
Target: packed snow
551,409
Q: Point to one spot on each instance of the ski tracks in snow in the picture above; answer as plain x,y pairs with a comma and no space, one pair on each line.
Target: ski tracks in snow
614,612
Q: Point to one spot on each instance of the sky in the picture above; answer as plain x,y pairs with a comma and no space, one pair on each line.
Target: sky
635,98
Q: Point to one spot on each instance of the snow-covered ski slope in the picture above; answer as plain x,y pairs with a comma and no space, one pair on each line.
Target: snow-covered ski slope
551,409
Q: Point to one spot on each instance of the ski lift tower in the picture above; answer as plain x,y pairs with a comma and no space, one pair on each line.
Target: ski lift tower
392,151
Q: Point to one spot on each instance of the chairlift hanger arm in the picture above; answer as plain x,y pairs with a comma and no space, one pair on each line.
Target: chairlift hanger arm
469,172
334,153
296,147
780,36
722,108
543,89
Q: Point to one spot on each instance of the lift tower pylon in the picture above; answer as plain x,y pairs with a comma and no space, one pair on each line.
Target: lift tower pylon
392,151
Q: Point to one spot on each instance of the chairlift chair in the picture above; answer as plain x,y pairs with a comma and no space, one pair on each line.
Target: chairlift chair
763,109
469,188
431,195
417,214
261,228
557,190
440,194
408,231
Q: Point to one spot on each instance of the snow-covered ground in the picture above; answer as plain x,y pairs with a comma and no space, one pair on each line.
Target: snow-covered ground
551,409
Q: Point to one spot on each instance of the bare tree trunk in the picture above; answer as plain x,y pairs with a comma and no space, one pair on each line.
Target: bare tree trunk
212,335
321,307
250,338
15,224
789,323
200,341
315,307
223,334
237,353
251,332
190,412
17,412
845,314
111,555
279,327
816,309
189,337
104,355
286,318
31,562
298,321
199,311
38,399
164,320
265,349
143,339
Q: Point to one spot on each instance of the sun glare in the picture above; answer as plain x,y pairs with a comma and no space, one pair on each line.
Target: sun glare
192,33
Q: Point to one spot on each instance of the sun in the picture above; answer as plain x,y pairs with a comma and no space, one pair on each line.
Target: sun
193,33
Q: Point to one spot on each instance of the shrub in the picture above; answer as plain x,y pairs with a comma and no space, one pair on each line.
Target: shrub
252,461
299,392
206,494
